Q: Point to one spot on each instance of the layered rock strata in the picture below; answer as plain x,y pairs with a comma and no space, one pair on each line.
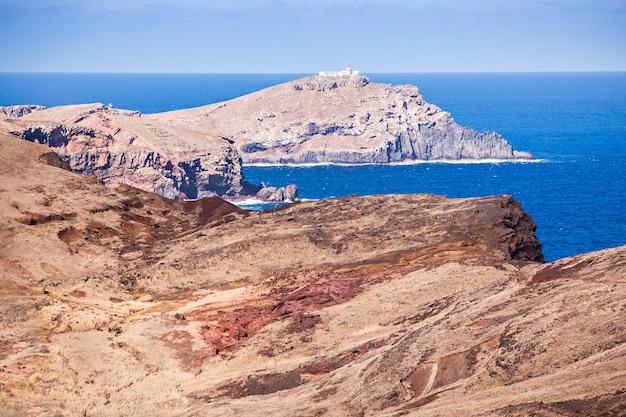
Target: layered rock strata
115,301
341,120
122,147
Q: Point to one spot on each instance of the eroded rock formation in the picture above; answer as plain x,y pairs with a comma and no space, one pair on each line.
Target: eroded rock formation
341,120
115,301
121,147
19,110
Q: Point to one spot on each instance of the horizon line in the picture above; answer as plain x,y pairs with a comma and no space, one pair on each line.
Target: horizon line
311,73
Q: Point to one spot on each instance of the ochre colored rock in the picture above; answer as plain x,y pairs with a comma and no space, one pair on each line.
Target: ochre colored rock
116,301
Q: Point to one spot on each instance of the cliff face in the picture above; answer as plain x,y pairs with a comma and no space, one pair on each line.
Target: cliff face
341,120
19,111
119,146
115,301
198,152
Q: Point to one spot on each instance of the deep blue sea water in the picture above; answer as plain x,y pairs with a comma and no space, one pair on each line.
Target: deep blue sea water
575,123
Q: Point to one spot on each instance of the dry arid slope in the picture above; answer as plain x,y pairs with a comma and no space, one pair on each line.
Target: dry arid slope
118,302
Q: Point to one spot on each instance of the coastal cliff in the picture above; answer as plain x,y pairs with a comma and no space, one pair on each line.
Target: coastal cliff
341,119
195,153
122,147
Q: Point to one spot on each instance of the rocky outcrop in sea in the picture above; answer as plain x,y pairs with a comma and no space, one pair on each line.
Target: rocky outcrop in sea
341,119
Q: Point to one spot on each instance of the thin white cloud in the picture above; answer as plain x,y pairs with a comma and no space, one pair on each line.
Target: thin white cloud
240,4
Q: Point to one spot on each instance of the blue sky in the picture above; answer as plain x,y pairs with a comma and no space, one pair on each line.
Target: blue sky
292,36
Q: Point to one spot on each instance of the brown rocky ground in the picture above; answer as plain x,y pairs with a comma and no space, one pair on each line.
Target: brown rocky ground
114,301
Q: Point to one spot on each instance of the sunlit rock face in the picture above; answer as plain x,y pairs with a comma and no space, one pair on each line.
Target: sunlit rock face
343,119
122,147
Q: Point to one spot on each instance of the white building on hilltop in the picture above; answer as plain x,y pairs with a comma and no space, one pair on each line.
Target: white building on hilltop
345,73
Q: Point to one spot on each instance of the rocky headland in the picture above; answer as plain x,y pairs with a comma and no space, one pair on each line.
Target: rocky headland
341,119
115,301
196,153
122,147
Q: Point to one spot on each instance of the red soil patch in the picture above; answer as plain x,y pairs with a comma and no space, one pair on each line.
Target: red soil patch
316,295
227,330
460,365
181,342
419,377
559,271
70,235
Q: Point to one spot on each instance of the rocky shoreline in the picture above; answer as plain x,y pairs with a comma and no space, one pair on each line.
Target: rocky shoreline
199,152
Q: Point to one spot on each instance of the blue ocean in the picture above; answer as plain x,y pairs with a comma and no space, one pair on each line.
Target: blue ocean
573,123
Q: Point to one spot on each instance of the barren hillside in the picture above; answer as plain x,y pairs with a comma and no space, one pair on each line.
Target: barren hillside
115,301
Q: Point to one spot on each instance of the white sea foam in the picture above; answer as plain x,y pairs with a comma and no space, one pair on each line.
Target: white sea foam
406,162
256,203
248,202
